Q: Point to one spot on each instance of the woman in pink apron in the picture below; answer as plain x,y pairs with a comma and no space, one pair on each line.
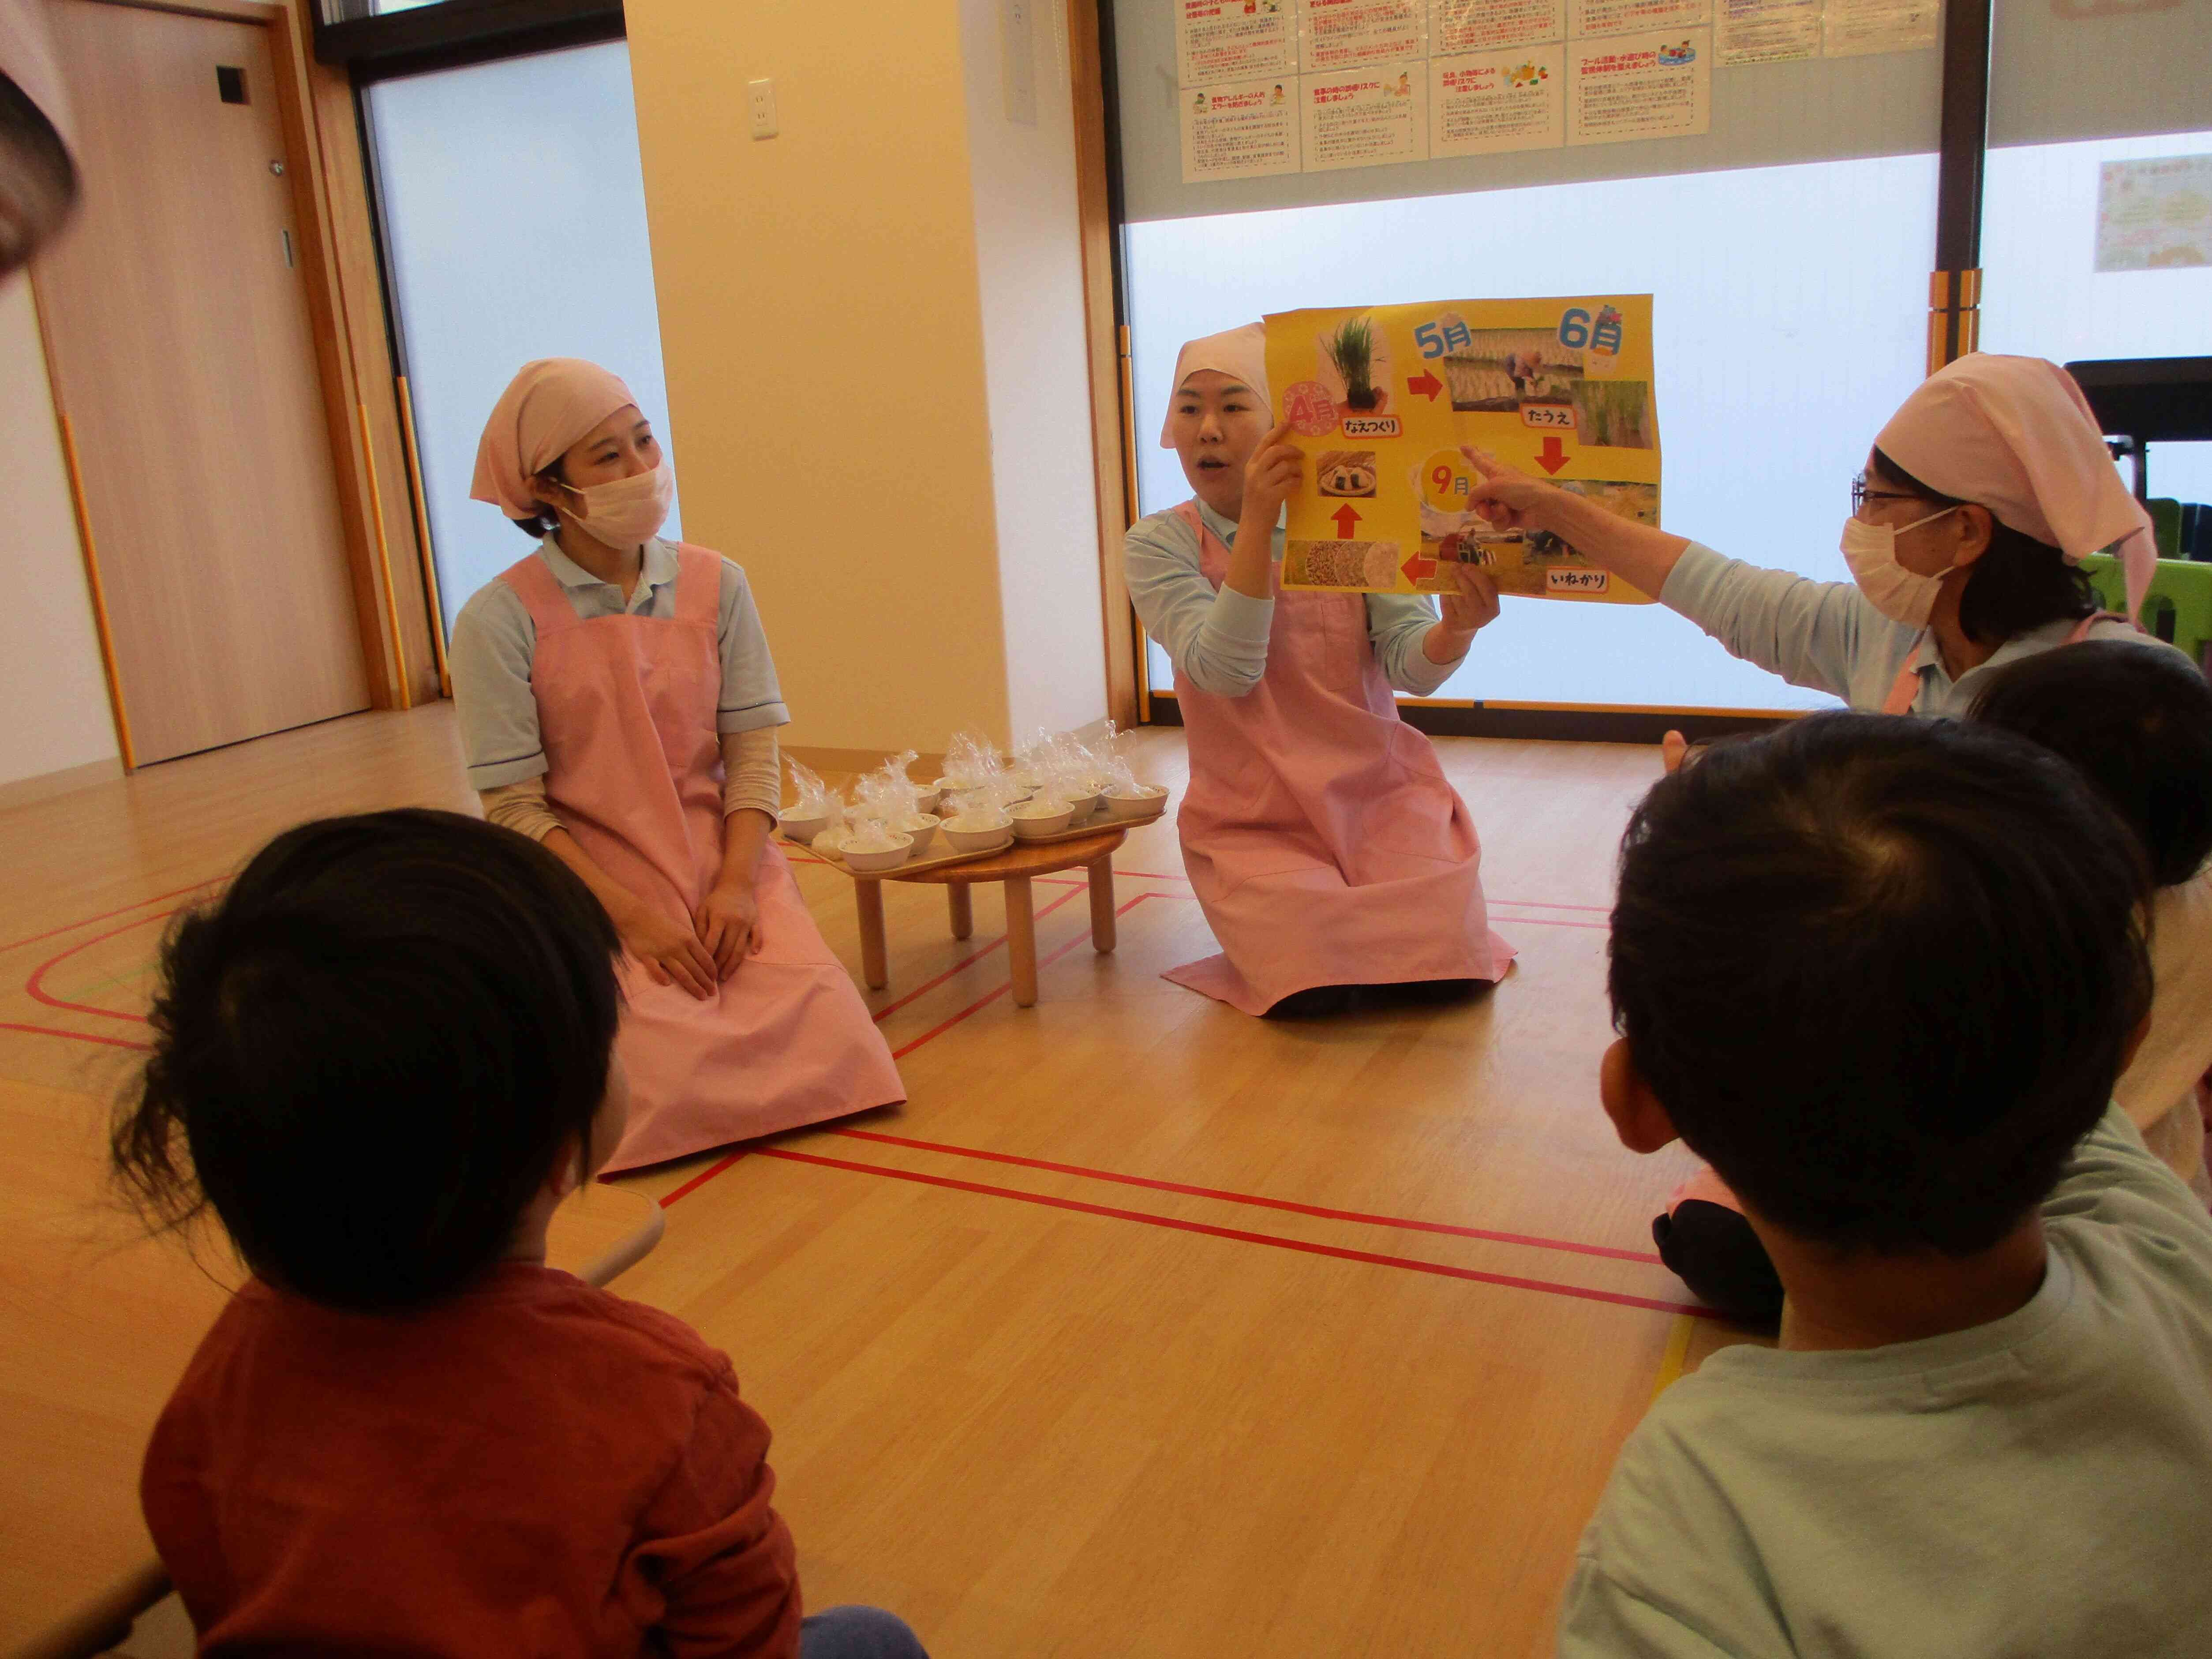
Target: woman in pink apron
1323,843
618,702
1980,497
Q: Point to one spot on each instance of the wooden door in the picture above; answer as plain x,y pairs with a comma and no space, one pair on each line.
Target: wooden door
185,359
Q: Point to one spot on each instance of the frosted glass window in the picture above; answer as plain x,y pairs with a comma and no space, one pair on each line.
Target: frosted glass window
2043,295
1791,314
513,213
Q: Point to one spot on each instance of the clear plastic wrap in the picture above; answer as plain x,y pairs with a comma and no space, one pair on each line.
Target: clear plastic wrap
971,763
885,800
817,808
978,787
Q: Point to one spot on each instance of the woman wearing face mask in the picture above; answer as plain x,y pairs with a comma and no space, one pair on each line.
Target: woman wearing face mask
1328,853
617,702
1979,499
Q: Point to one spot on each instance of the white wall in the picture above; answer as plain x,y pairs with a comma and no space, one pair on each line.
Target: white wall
1030,274
538,248
50,681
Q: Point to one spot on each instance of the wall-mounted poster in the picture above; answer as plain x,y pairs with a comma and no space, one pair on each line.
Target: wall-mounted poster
1766,31
1345,34
2155,215
1380,399
1649,86
1363,120
1855,27
1244,130
1481,104
1234,39
1456,27
1594,17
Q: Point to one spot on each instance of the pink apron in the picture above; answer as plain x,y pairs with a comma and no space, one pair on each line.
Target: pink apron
626,707
1319,833
1906,686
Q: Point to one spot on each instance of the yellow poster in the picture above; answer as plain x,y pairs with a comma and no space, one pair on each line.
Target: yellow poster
1380,399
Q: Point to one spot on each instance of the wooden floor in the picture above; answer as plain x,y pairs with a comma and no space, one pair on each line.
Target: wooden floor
1144,1327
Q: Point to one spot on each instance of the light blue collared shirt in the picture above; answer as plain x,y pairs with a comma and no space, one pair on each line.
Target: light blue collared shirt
495,642
1218,639
2034,1485
1829,636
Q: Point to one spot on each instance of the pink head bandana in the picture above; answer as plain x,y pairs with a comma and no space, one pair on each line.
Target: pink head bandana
1241,354
2014,435
546,409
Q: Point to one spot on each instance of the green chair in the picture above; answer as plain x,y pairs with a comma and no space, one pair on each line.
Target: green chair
2177,608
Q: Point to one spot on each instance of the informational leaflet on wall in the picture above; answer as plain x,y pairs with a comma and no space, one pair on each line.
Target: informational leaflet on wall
1315,85
1234,39
1766,31
1244,130
1649,86
1457,27
1381,399
1595,17
1336,35
1852,29
1482,104
1360,120
2155,215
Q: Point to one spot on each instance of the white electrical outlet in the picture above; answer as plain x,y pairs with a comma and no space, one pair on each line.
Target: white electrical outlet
759,107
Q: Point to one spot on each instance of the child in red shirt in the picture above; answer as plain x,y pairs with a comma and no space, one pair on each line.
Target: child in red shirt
383,1058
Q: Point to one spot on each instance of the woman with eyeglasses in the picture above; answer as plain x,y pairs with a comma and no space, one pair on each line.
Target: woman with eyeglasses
1979,500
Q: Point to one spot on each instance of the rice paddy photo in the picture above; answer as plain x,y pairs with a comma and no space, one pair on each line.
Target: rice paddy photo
1640,501
1501,368
1614,414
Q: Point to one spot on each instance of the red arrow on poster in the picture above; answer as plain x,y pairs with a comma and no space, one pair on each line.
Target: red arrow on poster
1553,457
1426,385
1419,569
1345,517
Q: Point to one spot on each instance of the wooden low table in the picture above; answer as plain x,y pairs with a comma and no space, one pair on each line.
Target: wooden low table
1016,867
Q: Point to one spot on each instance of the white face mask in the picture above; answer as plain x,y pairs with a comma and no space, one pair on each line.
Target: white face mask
622,513
1899,594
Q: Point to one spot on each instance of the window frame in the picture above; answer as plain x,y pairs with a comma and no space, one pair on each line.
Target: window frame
1954,324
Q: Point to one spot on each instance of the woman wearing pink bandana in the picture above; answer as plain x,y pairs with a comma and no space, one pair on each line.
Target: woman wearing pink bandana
1331,857
1979,499
617,702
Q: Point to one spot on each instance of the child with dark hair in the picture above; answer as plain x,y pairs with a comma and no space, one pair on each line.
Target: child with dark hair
2138,724
382,1059
1881,973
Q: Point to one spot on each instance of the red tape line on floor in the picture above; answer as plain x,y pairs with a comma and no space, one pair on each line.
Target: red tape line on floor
1511,921
965,962
1442,1270
985,1001
703,1177
76,1036
1286,1205
36,984
71,927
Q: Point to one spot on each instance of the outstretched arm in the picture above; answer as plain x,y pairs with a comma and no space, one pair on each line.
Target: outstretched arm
1640,554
